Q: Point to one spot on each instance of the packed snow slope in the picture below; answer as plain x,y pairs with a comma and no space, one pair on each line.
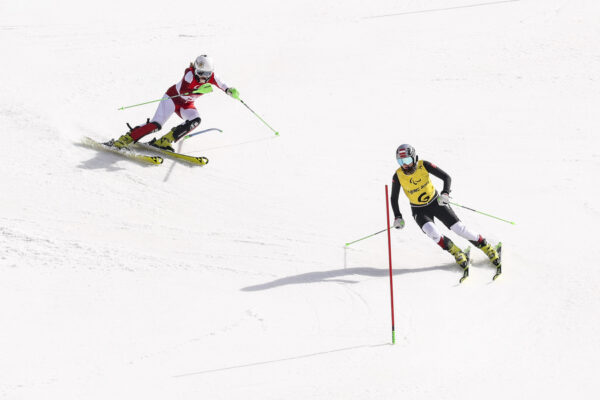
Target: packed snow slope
121,281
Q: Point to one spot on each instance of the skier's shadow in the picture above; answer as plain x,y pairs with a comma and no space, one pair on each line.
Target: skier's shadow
104,160
337,274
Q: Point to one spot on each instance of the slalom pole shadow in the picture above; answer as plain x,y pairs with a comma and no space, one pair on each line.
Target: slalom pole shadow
173,163
441,9
280,360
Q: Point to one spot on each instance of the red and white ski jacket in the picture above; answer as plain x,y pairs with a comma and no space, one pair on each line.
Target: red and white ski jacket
188,84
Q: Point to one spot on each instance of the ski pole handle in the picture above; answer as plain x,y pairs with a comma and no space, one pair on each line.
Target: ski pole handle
482,213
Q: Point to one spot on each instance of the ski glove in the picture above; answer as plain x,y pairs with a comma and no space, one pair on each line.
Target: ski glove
443,199
398,223
233,92
206,88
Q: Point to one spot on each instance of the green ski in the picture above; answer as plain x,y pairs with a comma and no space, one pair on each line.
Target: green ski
194,160
498,266
467,252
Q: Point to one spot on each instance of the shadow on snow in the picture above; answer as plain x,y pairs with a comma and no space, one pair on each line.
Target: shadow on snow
279,360
336,274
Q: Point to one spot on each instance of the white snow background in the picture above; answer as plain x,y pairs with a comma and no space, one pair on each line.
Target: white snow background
121,281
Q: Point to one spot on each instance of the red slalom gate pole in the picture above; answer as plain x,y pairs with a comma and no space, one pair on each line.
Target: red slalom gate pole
387,208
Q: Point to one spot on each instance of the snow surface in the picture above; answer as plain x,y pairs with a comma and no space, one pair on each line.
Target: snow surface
119,281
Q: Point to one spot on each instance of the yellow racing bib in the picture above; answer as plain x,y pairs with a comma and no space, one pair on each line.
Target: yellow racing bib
417,186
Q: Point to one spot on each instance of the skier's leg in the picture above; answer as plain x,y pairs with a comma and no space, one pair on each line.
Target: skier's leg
136,134
425,221
449,218
461,230
192,120
476,240
165,109
431,230
445,243
487,248
142,130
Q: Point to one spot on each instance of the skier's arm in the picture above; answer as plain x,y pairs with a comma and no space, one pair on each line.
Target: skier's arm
435,171
395,194
216,81
233,92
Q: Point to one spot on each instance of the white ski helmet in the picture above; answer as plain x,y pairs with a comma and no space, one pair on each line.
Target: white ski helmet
203,66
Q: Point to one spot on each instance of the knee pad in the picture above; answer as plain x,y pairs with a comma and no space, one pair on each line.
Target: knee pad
183,129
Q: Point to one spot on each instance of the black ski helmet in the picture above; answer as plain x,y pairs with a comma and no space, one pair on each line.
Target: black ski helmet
405,151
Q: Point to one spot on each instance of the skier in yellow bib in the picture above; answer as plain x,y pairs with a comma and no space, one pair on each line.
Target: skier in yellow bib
414,177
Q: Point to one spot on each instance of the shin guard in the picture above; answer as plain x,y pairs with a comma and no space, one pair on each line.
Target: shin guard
140,131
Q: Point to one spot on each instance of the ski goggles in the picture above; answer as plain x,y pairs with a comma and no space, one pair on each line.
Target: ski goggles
204,74
405,161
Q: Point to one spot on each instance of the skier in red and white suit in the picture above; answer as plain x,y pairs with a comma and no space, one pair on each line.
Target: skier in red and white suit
197,80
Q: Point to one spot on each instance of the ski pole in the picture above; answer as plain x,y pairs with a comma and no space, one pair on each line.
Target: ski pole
154,101
366,237
258,116
200,132
480,212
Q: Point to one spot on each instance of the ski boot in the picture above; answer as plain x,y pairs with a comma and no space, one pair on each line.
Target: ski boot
459,256
488,249
164,143
121,143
